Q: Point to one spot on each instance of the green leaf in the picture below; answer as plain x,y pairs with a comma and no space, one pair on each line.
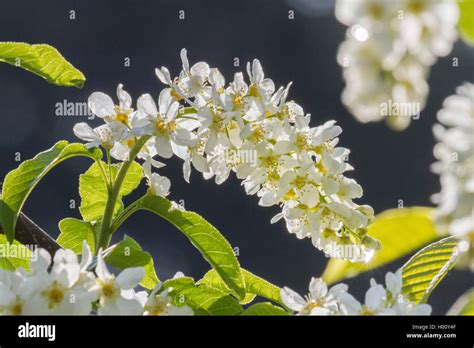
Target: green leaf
13,255
93,189
207,301
464,305
202,299
128,253
215,249
73,232
178,284
400,231
212,280
184,112
466,20
264,309
42,60
423,272
254,286
19,183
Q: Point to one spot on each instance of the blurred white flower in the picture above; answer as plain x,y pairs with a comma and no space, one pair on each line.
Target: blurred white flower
389,48
16,293
428,28
455,154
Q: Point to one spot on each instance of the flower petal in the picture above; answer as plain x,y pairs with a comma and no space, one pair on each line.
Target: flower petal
292,299
124,98
130,277
318,288
101,104
147,105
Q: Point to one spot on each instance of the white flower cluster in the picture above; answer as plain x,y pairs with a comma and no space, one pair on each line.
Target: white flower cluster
455,154
250,129
388,52
337,301
69,287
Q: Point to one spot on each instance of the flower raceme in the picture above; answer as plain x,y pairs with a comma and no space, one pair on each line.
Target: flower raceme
251,129
69,287
455,154
389,49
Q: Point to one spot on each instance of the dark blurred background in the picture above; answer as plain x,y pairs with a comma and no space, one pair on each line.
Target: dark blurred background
389,165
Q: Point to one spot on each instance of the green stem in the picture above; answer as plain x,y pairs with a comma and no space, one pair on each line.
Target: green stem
104,175
125,214
109,166
104,234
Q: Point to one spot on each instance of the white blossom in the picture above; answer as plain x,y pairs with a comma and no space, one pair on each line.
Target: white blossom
162,123
159,185
390,300
103,106
106,135
319,301
338,301
159,302
116,293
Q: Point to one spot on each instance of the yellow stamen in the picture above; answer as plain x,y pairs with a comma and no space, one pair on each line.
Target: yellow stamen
253,91
122,118
321,167
273,176
416,6
237,99
311,305
109,290
290,195
171,126
55,294
257,135
158,308
160,125
299,182
376,11
131,142
17,309
175,94
366,311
